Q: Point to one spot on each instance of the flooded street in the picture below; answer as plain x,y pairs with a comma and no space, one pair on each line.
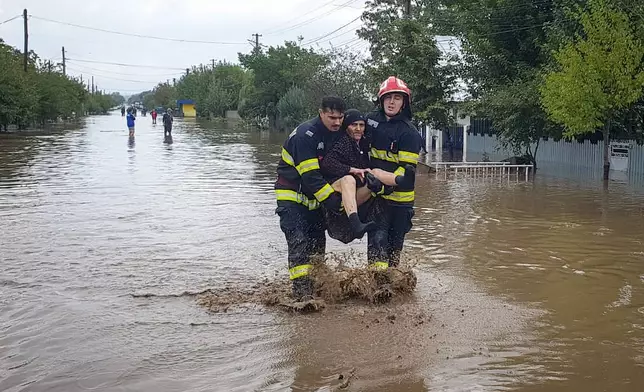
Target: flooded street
522,286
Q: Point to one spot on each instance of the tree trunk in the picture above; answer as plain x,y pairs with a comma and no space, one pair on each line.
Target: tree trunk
606,151
534,158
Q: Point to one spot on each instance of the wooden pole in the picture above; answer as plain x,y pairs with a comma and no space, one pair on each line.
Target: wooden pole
64,64
26,54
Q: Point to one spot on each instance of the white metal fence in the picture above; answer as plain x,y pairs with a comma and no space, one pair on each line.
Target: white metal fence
566,155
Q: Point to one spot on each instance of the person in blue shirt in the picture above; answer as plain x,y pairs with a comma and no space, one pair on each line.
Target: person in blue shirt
130,122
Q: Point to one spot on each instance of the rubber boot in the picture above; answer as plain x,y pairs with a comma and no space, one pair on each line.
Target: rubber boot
302,289
407,180
383,293
357,227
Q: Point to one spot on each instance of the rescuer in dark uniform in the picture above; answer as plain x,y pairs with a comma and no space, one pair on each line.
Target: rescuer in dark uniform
301,190
395,145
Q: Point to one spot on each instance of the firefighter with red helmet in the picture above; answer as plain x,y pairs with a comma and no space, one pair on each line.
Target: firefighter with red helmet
395,145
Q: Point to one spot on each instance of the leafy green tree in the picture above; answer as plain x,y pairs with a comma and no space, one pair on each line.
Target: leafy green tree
510,106
599,74
247,97
58,96
293,108
505,47
345,76
164,95
275,72
18,95
140,97
117,99
42,94
214,89
404,46
148,101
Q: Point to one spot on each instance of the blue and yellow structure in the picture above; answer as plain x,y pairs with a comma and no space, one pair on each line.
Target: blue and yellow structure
187,107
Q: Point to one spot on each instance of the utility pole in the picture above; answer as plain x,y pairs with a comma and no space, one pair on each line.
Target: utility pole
64,65
92,84
26,59
407,8
49,66
187,71
212,61
256,40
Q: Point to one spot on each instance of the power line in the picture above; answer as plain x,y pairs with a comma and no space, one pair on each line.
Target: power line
92,69
128,65
118,90
273,31
357,44
336,30
340,35
343,5
113,78
10,19
500,32
348,42
138,35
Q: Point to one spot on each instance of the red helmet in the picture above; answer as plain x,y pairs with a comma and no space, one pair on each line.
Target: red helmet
394,85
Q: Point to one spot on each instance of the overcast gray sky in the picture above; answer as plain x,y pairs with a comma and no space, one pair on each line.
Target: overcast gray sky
230,22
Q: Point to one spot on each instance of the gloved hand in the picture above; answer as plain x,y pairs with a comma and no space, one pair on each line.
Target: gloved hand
388,190
333,203
373,183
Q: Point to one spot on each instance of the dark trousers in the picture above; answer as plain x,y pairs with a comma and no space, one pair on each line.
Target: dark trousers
167,129
337,223
304,232
385,243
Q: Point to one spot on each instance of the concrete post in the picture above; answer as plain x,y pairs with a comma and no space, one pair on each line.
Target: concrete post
464,143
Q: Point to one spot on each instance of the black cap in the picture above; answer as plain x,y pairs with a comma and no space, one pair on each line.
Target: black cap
351,116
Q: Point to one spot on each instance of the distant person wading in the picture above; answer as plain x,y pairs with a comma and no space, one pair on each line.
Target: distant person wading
130,121
167,122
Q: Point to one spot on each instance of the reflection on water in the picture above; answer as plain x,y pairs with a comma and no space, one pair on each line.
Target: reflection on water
536,286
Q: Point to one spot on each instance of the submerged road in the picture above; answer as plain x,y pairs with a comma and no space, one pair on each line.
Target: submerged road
530,287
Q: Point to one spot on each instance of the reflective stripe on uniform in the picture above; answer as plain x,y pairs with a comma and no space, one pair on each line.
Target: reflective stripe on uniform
400,171
384,155
286,157
289,195
324,193
379,266
409,157
300,271
401,197
308,165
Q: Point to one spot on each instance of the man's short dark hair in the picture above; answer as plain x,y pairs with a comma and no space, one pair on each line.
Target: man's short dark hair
333,104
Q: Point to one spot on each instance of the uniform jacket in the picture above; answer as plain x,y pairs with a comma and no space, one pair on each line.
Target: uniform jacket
299,178
394,143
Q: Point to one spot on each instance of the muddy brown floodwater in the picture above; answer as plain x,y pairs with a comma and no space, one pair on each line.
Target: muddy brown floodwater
106,244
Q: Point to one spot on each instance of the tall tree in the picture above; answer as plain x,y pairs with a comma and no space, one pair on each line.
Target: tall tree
214,89
504,49
275,72
599,74
344,75
402,44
